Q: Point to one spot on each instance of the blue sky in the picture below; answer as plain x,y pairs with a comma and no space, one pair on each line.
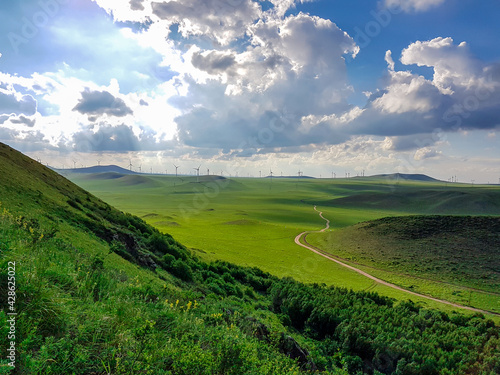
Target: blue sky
244,85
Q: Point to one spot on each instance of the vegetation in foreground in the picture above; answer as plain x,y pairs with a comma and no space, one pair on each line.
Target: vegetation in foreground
102,292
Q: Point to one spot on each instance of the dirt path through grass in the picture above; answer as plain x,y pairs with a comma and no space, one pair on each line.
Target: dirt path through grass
377,280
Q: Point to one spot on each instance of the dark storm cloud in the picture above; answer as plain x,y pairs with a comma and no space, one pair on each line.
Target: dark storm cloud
28,141
98,103
107,138
269,132
214,62
413,142
9,104
116,139
24,121
136,4
416,129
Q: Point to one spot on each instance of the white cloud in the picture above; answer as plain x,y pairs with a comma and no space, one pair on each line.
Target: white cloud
389,60
463,93
453,65
408,93
426,153
413,5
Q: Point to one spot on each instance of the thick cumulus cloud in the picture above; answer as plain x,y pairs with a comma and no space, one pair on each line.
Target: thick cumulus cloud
463,94
241,64
222,20
295,67
98,103
413,5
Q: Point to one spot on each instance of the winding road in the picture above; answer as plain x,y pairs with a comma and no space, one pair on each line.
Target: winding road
377,280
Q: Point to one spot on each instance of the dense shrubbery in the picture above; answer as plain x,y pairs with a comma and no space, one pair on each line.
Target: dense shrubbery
403,339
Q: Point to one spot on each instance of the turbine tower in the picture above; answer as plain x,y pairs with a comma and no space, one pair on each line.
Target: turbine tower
176,168
197,173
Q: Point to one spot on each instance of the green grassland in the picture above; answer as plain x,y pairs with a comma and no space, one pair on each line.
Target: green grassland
101,292
253,222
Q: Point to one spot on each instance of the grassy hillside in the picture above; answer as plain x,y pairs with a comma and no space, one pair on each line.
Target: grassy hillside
101,292
460,251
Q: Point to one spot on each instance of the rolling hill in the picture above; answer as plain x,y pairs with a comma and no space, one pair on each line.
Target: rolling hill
98,291
460,250
405,177
427,200
97,169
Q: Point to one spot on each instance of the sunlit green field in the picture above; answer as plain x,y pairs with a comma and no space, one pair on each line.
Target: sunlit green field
253,222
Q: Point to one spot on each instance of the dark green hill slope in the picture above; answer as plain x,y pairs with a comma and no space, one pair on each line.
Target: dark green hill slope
461,250
405,177
100,292
97,169
427,200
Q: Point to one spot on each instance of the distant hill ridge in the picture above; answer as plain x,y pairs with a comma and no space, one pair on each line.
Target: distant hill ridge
98,169
407,177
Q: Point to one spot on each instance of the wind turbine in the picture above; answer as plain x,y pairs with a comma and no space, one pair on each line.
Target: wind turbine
130,165
140,168
197,173
208,171
98,162
176,168
260,174
74,164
